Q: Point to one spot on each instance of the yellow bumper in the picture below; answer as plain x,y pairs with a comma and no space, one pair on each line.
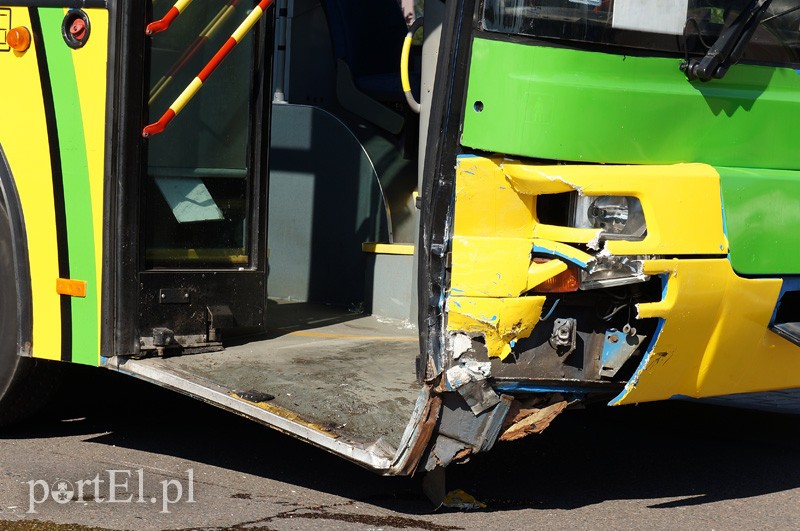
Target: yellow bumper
712,337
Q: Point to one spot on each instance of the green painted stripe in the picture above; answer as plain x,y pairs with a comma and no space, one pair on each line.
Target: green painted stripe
582,106
77,192
762,217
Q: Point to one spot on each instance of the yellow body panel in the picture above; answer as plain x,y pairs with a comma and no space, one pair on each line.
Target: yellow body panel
29,159
492,267
714,339
78,108
561,249
501,321
681,202
487,205
538,273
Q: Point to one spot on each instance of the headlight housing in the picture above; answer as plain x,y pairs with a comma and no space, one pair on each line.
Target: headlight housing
619,217
610,271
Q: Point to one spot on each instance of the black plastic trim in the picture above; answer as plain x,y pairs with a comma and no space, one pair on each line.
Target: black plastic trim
125,151
444,132
22,270
107,295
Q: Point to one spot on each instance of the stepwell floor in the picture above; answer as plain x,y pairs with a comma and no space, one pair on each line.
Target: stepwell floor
349,373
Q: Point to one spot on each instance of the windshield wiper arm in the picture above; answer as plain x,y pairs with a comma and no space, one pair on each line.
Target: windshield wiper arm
728,48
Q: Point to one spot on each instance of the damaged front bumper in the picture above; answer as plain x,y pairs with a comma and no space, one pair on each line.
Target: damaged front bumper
678,321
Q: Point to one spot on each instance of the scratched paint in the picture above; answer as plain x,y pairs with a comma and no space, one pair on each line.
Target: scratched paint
500,321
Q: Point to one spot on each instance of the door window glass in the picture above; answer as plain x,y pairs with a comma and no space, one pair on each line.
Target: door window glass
198,186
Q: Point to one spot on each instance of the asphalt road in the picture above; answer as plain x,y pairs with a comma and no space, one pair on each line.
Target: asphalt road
664,466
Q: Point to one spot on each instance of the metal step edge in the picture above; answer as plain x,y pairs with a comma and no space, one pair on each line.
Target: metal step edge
157,371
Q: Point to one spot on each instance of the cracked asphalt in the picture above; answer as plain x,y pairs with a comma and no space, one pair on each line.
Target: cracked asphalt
182,464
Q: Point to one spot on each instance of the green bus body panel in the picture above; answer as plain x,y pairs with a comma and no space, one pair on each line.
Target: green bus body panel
585,106
762,216
77,193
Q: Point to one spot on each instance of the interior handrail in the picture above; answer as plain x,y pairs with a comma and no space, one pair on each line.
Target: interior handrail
404,79
193,48
164,23
197,83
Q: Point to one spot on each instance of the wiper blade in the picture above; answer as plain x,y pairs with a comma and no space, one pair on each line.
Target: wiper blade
729,47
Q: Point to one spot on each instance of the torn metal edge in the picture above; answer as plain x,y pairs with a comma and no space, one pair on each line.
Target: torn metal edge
650,348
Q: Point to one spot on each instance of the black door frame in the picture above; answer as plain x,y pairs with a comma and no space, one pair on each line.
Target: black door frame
131,295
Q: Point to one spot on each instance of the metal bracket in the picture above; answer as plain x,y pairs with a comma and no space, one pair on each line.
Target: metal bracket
618,347
174,296
219,317
563,337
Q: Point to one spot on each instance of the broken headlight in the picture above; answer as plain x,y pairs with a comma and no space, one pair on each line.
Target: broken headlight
609,271
619,217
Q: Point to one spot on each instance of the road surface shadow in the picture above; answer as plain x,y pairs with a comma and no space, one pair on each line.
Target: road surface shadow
693,453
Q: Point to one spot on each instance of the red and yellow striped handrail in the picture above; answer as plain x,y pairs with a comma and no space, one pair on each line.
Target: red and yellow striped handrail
160,25
190,52
197,83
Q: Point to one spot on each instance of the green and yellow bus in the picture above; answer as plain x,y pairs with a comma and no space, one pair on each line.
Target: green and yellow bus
596,201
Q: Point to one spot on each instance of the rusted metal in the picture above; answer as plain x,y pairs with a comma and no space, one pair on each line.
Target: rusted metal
462,456
427,426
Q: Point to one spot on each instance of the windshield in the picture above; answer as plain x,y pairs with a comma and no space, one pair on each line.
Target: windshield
676,27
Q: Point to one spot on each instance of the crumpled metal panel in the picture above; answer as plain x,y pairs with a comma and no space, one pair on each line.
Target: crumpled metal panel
496,230
501,321
462,433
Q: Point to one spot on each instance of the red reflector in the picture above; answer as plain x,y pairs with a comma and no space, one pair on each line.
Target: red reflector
564,282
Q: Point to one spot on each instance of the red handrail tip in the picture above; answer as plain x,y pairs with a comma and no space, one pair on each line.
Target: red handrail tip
157,26
153,129
158,127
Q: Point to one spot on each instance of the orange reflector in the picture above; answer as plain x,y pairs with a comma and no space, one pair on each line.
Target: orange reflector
19,39
564,282
73,288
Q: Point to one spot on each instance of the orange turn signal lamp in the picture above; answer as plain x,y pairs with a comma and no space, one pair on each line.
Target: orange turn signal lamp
565,282
71,287
19,39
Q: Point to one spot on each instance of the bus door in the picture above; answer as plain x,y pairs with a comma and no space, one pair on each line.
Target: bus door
200,193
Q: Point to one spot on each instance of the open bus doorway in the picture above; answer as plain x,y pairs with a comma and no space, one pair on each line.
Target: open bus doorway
314,194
